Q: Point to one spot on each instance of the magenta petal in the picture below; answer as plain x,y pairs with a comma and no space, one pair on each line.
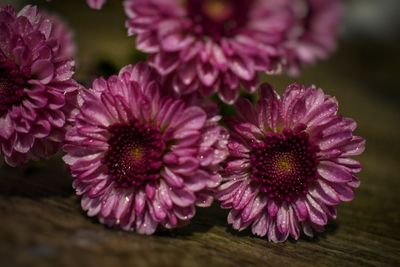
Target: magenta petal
187,165
173,39
205,199
351,164
148,226
198,181
355,147
109,200
207,74
172,179
165,63
237,150
164,197
24,143
159,212
193,118
246,111
95,112
185,214
253,209
97,188
260,227
301,210
268,108
282,219
333,172
140,201
150,190
123,206
96,4
334,140
246,196
44,70
326,190
182,198
345,192
94,207
6,127
272,208
242,67
293,224
316,213
187,73
307,229
228,95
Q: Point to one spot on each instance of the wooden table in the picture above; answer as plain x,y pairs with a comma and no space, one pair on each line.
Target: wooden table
41,223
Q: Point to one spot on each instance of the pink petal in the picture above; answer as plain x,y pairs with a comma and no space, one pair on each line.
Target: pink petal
182,198
268,107
354,148
96,4
293,224
260,227
345,192
316,213
333,172
301,210
140,202
6,127
282,219
272,208
172,178
242,67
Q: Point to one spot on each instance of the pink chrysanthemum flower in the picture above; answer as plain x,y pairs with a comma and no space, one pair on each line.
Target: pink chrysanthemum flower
96,4
315,36
140,160
290,163
36,88
211,46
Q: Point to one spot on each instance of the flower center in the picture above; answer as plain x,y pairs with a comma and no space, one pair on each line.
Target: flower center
11,91
218,18
135,154
284,164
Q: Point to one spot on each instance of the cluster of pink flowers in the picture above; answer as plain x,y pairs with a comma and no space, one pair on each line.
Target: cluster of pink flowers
146,146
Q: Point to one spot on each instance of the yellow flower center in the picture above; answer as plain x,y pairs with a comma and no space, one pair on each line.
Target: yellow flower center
218,10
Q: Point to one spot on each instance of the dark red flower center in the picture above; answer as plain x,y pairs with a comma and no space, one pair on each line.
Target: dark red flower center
284,164
11,90
218,18
135,154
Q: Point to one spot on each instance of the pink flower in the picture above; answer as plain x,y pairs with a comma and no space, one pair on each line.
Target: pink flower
211,46
96,4
290,163
141,160
36,88
315,37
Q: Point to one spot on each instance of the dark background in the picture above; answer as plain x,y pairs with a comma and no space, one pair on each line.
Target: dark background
41,223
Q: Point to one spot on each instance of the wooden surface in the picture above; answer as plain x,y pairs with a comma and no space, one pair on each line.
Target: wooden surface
41,223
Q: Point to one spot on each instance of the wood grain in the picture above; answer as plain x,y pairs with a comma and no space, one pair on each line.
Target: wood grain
41,223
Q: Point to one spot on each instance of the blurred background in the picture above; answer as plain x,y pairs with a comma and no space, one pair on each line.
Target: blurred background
363,74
